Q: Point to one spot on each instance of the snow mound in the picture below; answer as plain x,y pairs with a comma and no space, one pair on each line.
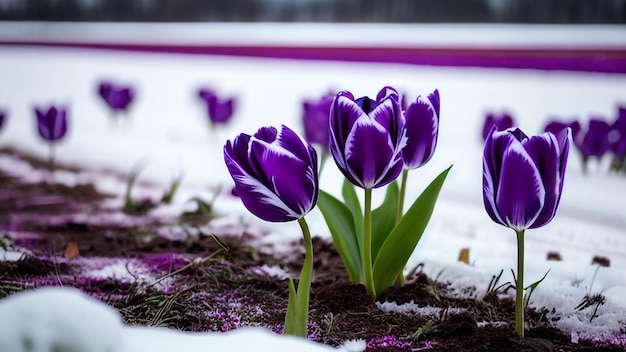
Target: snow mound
65,319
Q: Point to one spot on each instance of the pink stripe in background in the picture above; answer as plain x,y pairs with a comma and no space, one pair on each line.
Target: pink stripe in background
567,59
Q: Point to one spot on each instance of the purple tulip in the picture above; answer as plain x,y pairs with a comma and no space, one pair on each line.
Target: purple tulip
219,110
275,173
618,133
51,124
367,137
315,120
556,126
523,177
596,142
422,128
117,97
3,116
501,122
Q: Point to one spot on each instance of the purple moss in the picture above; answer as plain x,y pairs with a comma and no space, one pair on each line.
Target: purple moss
388,341
616,340
165,261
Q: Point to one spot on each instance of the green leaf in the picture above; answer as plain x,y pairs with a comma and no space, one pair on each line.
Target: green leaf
351,200
341,225
290,318
534,285
401,242
384,218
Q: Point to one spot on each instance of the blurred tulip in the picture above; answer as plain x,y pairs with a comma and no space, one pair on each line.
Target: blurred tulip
617,140
367,137
555,126
3,116
595,141
422,128
220,111
117,97
315,120
51,124
502,122
275,173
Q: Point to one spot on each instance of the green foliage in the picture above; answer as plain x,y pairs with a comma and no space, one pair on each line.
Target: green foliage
342,229
401,242
531,288
392,243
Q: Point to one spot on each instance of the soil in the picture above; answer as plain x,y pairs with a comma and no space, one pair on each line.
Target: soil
221,281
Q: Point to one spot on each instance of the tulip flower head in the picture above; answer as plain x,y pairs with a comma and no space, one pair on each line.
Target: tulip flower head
117,97
523,177
501,122
52,127
275,173
220,111
555,126
3,116
315,120
367,137
596,141
51,124
422,128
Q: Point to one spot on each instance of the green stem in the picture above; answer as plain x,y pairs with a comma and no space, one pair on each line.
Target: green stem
367,245
304,286
519,285
400,278
405,173
51,157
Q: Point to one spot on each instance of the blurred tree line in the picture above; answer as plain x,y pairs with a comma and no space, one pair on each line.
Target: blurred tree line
400,11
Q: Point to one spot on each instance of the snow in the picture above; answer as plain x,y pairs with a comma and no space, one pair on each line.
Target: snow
65,319
167,125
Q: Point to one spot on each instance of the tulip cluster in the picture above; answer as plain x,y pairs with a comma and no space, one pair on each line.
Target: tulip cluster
372,141
599,138
522,184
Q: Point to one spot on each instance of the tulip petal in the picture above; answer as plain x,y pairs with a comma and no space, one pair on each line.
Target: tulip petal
386,114
495,145
368,152
520,194
255,195
344,113
422,126
549,152
387,91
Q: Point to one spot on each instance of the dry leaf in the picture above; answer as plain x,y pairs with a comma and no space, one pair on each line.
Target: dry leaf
72,251
464,256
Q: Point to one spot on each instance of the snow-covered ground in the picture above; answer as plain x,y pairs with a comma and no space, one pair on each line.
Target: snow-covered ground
167,123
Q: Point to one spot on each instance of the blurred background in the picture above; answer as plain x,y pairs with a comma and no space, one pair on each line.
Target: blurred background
371,11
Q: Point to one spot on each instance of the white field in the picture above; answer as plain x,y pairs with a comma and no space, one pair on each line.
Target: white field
167,123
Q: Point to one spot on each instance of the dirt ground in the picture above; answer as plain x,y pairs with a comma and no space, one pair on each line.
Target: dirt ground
220,281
